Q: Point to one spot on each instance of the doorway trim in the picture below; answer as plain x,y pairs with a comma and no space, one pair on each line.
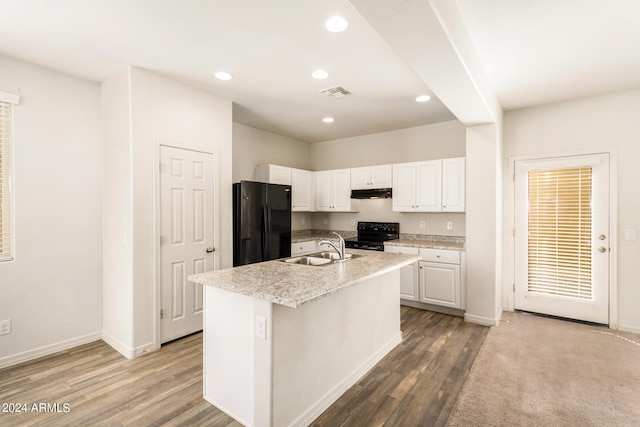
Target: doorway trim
508,299
157,268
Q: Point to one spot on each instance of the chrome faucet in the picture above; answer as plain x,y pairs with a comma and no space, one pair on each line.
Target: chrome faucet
339,248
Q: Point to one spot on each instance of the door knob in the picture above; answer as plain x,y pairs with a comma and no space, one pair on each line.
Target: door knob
602,237
602,249
210,249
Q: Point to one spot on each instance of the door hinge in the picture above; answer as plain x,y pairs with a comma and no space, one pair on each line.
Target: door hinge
161,314
514,287
160,168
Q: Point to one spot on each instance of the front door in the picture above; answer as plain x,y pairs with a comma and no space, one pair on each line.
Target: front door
186,242
562,237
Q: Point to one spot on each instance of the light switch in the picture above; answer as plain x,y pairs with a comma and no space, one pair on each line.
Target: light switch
630,234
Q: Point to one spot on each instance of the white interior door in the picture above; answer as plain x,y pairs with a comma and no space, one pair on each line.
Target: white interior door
186,242
562,237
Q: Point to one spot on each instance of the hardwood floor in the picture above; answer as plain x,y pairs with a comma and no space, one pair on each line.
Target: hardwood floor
416,384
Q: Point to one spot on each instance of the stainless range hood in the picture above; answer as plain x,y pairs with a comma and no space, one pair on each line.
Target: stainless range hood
371,193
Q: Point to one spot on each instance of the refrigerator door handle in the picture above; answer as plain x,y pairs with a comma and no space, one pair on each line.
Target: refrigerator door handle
264,236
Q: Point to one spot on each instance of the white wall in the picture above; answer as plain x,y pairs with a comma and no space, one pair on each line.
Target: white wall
252,147
161,111
608,122
52,291
484,224
436,141
117,204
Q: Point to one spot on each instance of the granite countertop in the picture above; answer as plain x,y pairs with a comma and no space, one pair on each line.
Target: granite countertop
293,285
429,242
307,235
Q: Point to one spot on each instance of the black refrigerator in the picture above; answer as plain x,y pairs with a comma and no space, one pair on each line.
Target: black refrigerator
261,222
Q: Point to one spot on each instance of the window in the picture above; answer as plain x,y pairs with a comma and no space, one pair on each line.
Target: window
6,224
560,232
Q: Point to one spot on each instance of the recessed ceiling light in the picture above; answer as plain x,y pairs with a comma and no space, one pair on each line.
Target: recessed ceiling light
223,75
423,98
320,74
328,120
336,24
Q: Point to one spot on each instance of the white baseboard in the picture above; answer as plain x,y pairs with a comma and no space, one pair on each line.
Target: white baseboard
118,346
631,329
479,320
308,416
48,349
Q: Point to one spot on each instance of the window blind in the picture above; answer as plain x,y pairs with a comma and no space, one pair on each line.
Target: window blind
559,245
6,226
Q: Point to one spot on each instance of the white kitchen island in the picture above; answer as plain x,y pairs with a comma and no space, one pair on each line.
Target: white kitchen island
282,342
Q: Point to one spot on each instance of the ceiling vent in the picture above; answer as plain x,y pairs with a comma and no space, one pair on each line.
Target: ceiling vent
335,92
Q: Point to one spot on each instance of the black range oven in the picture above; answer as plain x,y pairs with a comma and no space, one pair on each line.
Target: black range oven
372,235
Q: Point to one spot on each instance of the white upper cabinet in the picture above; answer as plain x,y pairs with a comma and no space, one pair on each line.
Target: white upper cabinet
300,190
453,184
298,179
430,186
273,174
371,177
333,190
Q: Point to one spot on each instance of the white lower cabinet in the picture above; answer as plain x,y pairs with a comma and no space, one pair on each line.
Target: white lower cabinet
440,284
303,248
438,279
408,274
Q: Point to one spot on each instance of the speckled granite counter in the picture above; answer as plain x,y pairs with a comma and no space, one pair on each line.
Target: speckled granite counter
306,235
427,241
293,285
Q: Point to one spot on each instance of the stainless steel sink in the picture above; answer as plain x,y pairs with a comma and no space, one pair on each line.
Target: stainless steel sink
319,258
307,260
331,255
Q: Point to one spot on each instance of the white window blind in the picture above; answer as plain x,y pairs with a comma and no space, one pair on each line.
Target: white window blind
6,225
559,246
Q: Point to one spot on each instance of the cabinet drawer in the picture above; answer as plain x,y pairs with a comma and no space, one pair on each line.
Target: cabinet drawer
440,255
303,247
401,250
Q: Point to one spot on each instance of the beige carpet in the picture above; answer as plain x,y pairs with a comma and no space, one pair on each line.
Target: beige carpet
536,371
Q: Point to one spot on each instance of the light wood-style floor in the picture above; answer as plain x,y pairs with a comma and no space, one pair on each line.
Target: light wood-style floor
93,385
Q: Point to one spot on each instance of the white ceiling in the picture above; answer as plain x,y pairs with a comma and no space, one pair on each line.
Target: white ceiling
534,51
541,51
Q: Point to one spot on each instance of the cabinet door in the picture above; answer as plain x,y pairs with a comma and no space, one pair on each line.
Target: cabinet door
342,190
380,176
440,284
404,178
302,248
300,190
453,184
324,190
360,178
429,186
408,273
273,174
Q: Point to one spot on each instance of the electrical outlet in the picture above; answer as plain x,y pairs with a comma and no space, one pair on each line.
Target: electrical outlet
353,222
302,221
325,220
261,327
630,234
449,225
5,327
422,224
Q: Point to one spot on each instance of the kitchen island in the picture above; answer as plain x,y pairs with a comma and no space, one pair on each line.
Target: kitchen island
283,341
